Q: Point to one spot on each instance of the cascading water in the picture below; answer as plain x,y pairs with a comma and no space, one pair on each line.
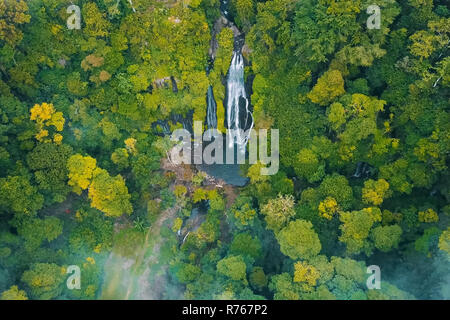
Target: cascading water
211,109
239,117
224,8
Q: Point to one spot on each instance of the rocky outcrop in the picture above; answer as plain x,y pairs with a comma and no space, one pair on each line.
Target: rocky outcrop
221,23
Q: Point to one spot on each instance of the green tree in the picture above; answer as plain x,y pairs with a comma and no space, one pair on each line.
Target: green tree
258,278
386,238
44,280
233,267
246,245
309,166
283,287
444,241
188,273
35,231
398,175
120,158
48,161
337,187
244,13
18,195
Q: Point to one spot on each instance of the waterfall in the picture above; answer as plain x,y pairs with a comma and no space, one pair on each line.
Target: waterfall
239,117
211,111
236,105
224,9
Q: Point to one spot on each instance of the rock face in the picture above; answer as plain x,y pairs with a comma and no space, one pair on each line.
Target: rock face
221,23
246,51
62,62
162,82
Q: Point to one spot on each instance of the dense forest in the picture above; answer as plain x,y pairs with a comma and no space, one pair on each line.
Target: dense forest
364,137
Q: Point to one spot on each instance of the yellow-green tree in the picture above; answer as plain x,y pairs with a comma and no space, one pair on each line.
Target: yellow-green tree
305,273
356,226
436,37
95,23
45,116
80,172
242,213
328,208
12,14
374,192
109,194
299,240
428,216
329,86
14,293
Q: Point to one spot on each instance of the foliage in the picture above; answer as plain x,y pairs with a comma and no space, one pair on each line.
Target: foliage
299,240
329,86
278,212
14,294
363,128
109,194
44,280
232,267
